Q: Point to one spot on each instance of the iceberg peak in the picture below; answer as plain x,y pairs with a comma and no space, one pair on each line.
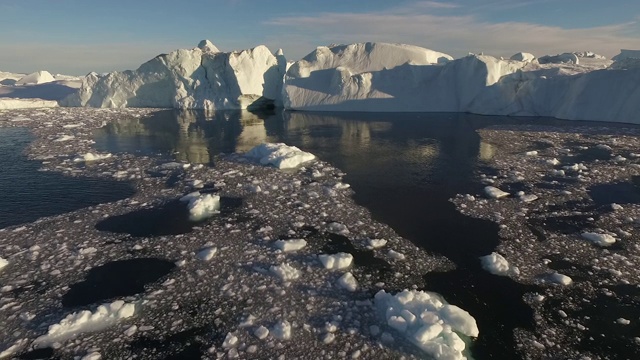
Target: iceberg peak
207,46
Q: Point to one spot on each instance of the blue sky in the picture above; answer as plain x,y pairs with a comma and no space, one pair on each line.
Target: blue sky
78,36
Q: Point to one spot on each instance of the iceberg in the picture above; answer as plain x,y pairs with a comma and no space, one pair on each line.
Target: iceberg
198,78
390,78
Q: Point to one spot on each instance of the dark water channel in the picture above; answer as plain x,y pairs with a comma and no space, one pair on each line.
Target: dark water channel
403,168
28,194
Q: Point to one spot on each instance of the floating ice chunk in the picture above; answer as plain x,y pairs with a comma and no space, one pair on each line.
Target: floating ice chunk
174,166
376,243
279,155
230,341
261,332
92,157
623,321
599,239
494,192
86,321
497,265
281,330
64,138
207,253
528,197
575,167
348,281
395,255
427,321
17,346
531,153
3,263
203,206
336,261
338,228
615,206
553,162
560,279
290,245
92,356
285,272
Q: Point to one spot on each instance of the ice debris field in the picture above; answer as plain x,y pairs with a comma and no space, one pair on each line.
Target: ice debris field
268,263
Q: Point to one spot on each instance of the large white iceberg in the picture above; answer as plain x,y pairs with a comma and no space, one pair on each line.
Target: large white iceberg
198,78
358,78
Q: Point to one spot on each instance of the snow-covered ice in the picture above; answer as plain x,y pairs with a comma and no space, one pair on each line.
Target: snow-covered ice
279,155
86,321
498,265
290,245
599,239
495,193
3,263
426,320
337,261
348,281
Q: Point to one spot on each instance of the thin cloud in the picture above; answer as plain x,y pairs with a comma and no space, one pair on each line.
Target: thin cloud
456,35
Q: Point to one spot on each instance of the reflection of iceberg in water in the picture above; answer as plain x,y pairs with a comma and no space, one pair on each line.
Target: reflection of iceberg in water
363,144
189,135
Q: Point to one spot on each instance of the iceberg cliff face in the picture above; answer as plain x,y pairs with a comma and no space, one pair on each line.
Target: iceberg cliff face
381,77
199,78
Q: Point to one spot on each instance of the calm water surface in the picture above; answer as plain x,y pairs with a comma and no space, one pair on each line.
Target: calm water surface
28,194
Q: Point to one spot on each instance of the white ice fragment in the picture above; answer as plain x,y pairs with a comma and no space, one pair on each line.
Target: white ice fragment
599,239
230,341
328,338
202,206
395,255
531,153
17,346
281,330
64,138
336,261
88,157
494,192
498,265
279,155
92,356
428,330
623,321
86,321
528,197
131,330
290,245
348,281
285,272
261,332
376,243
3,263
338,228
553,162
615,206
207,253
560,279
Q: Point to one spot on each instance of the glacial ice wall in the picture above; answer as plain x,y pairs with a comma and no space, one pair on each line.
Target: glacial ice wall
354,78
198,78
